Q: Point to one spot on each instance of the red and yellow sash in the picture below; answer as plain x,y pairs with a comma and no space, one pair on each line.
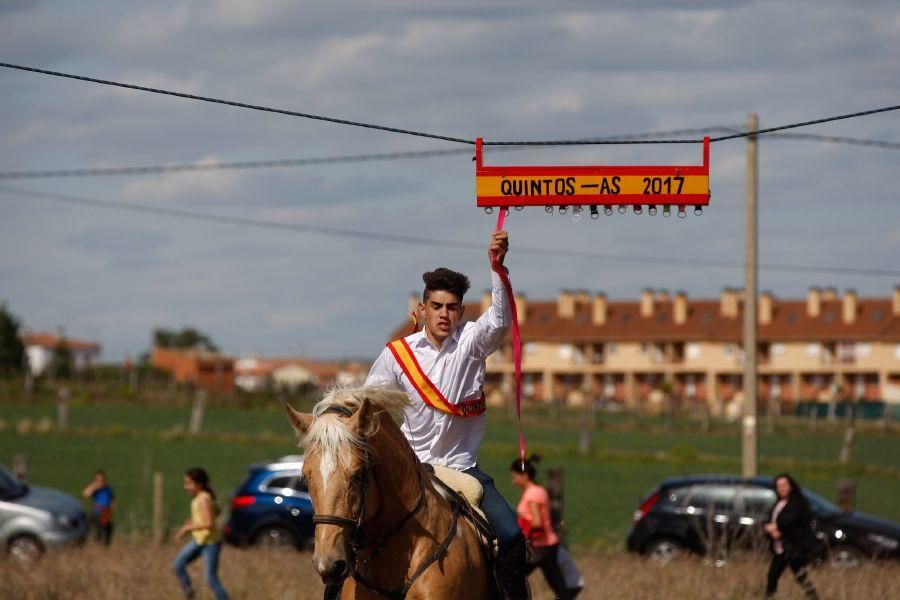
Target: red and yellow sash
429,392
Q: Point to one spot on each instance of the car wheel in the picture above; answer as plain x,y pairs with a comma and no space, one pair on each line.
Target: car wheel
663,551
25,548
845,557
274,537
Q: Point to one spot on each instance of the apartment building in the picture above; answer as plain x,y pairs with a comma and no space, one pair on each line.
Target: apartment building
825,347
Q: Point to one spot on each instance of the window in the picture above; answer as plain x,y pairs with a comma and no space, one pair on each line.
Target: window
286,485
674,497
10,488
279,482
757,501
718,498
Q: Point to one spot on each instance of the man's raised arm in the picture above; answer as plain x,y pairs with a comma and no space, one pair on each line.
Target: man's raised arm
491,327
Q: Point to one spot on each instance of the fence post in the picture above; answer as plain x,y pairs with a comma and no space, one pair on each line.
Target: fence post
584,429
849,434
886,416
197,411
847,494
555,487
62,409
157,507
20,467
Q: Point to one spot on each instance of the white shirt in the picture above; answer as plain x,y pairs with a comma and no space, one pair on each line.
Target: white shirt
457,369
778,546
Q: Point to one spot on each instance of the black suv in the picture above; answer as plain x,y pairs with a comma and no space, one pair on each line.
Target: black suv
712,515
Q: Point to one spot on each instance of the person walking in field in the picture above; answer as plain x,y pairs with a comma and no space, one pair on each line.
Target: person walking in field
206,537
534,518
103,505
793,541
441,369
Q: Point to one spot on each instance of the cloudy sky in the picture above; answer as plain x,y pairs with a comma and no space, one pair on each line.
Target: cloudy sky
506,70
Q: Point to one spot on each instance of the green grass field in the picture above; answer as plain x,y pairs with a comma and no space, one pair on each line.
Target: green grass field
131,442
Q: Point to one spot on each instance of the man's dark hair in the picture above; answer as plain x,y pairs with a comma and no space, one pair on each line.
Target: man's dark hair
445,280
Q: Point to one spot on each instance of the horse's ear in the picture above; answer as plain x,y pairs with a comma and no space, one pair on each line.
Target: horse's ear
363,418
299,421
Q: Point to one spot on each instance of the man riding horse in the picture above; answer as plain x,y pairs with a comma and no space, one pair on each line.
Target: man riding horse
441,368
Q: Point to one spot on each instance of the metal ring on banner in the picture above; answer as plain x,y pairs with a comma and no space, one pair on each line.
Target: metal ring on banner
516,337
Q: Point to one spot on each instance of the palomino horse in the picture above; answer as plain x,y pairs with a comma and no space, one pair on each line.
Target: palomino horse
382,530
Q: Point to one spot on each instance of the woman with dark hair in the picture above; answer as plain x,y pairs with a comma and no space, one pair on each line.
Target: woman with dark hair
534,519
207,539
792,539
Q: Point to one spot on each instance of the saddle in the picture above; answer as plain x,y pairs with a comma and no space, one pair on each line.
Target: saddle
466,491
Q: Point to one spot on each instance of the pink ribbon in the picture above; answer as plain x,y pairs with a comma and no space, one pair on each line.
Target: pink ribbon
516,338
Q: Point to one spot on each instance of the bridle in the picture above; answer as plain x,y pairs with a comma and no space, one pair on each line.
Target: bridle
358,540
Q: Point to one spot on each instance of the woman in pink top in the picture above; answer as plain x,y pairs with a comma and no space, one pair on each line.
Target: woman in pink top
534,519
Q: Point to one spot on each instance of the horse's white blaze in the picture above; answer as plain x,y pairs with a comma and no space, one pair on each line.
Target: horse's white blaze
326,468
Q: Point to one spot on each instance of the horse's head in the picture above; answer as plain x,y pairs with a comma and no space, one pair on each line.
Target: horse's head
338,468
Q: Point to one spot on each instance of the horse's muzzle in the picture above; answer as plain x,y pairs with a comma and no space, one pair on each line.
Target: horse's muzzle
332,572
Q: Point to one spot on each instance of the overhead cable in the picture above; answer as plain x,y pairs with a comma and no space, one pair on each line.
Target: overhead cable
293,162
445,137
836,139
383,157
282,111
429,241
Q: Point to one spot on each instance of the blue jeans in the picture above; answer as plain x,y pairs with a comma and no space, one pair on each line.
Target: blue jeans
499,513
191,552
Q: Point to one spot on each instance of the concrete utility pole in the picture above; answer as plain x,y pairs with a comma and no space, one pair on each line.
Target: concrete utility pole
750,439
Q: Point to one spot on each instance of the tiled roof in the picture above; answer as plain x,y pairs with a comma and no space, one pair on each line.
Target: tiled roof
48,340
790,322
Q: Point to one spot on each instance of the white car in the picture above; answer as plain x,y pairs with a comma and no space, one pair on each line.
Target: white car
34,518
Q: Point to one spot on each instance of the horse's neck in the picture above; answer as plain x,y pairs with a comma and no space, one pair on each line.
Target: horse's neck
403,486
396,469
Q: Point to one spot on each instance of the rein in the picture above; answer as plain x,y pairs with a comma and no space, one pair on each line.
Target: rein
358,541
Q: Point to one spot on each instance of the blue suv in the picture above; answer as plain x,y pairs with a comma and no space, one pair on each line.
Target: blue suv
272,507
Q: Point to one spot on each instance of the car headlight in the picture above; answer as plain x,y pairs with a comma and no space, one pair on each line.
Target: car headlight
66,522
884,541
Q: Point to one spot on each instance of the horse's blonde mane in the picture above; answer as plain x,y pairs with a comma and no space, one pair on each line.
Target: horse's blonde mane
332,436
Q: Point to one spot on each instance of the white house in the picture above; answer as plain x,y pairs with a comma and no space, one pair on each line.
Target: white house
39,348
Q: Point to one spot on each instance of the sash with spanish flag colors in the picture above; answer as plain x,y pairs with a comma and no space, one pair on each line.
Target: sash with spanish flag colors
429,392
